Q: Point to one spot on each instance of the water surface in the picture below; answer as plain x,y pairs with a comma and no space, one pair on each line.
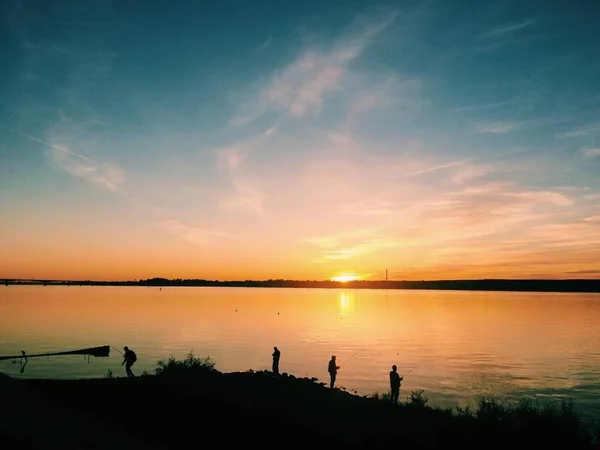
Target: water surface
463,344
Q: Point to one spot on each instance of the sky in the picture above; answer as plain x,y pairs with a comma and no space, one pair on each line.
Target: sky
238,140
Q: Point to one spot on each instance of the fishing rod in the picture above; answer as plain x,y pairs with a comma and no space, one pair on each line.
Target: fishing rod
117,350
353,355
412,368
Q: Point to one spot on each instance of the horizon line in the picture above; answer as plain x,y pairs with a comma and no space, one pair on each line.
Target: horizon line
135,280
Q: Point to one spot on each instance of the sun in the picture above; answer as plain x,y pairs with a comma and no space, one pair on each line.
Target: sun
345,278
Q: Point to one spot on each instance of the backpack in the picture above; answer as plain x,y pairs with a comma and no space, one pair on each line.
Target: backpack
132,356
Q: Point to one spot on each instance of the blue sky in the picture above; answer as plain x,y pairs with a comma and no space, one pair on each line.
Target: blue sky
300,139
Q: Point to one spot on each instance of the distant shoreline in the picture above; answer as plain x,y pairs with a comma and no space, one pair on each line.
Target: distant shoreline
503,285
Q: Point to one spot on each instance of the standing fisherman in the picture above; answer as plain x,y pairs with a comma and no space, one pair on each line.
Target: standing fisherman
395,381
332,369
276,356
129,358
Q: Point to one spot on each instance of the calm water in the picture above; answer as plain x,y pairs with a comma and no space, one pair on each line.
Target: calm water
468,344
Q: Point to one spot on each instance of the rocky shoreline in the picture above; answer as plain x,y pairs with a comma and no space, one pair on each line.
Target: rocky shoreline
260,410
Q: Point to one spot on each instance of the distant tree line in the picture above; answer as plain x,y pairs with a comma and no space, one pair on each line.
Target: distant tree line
573,285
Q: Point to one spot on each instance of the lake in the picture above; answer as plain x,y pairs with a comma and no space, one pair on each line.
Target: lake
461,345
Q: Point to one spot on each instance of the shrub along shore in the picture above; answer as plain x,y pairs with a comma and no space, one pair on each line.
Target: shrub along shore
188,404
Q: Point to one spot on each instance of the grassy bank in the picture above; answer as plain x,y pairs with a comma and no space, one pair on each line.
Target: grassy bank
187,404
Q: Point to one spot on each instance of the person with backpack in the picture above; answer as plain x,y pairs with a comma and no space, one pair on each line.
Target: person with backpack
129,358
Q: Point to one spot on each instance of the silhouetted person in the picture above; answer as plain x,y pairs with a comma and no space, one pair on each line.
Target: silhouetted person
332,369
129,358
395,380
276,356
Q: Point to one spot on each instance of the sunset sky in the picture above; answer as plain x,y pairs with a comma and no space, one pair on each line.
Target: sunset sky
299,139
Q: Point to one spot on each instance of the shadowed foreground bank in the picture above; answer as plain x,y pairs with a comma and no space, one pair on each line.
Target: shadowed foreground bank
257,410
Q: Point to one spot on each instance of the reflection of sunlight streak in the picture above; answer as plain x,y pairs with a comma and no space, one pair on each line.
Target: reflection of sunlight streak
346,303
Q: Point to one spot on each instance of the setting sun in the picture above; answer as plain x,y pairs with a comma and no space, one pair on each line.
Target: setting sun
344,278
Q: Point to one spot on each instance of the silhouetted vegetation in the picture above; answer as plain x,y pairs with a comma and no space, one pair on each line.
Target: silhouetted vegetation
573,285
531,416
189,366
190,394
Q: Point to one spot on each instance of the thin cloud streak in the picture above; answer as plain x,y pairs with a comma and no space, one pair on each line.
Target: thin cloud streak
484,106
509,28
494,127
49,144
501,127
581,131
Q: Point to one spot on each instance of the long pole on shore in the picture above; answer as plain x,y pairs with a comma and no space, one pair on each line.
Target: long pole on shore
94,351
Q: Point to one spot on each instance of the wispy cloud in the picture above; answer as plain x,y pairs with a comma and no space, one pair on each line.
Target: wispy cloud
464,205
484,106
266,43
370,207
509,28
323,241
198,236
353,251
300,88
501,127
494,127
106,175
388,92
590,152
349,245
434,168
100,170
583,131
243,191
246,195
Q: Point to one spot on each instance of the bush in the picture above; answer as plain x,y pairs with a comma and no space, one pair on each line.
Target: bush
418,399
191,365
386,397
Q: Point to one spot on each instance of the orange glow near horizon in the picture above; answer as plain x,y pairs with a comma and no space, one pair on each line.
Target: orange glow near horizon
344,278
